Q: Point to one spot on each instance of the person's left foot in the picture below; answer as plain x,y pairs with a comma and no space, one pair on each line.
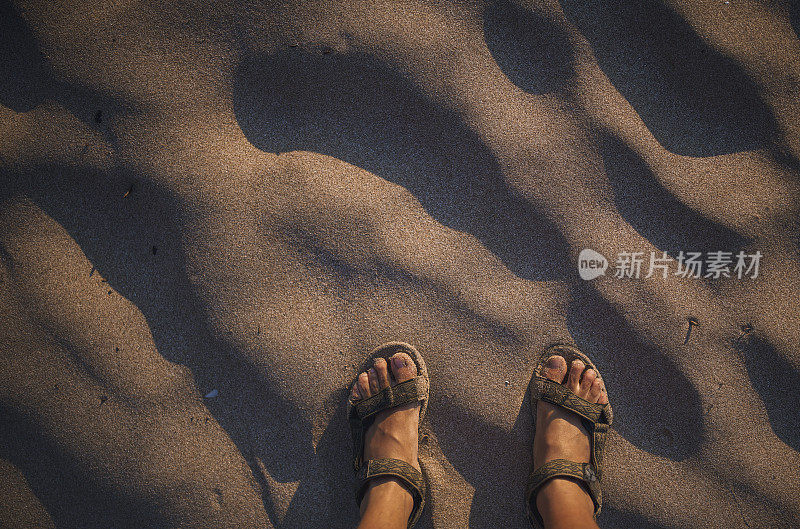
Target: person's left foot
393,434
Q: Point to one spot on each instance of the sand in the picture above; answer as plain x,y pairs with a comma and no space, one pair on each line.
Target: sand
241,199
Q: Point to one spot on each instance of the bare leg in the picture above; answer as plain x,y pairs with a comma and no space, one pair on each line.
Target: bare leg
564,503
387,504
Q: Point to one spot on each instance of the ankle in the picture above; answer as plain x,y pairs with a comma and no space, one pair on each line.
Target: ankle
386,500
564,500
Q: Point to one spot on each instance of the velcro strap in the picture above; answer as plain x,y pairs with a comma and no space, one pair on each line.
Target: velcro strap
558,394
561,468
412,390
411,478
599,434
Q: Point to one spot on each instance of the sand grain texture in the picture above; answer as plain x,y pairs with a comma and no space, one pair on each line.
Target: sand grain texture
247,197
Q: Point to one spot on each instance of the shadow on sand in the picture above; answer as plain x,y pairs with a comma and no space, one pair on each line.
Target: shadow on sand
360,111
769,372
134,243
534,53
640,413
654,212
695,100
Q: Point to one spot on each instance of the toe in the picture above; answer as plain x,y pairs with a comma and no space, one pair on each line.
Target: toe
574,376
603,399
555,368
595,390
372,376
403,367
363,385
382,371
354,394
589,376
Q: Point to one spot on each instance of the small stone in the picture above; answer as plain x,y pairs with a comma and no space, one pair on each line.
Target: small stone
211,394
508,383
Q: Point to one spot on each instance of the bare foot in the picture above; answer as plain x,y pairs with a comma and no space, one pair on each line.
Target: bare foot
394,434
560,435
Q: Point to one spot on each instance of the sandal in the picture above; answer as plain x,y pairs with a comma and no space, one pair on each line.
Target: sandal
362,413
596,418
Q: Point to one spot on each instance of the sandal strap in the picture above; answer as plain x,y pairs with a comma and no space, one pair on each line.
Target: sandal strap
560,395
413,390
585,473
599,434
595,416
411,478
363,412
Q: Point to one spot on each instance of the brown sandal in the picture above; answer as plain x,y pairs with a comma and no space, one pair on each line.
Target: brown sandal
596,418
362,413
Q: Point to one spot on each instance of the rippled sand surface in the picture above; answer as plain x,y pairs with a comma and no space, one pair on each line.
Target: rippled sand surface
243,198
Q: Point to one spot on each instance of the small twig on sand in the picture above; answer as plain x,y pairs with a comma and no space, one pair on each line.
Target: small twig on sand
692,322
747,328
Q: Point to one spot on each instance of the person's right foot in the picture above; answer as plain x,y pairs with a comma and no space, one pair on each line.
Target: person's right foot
560,434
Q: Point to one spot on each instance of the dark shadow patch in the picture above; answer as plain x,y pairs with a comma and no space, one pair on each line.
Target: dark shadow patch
794,16
69,492
611,516
775,379
664,419
25,78
534,53
360,111
498,476
655,213
116,230
328,492
694,100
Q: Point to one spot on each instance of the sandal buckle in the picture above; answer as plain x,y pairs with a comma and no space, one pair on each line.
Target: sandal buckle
588,474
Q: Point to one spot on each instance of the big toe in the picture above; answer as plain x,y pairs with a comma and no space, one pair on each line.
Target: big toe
555,368
403,367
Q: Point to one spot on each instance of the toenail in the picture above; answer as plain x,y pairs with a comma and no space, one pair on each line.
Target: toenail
399,362
553,362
